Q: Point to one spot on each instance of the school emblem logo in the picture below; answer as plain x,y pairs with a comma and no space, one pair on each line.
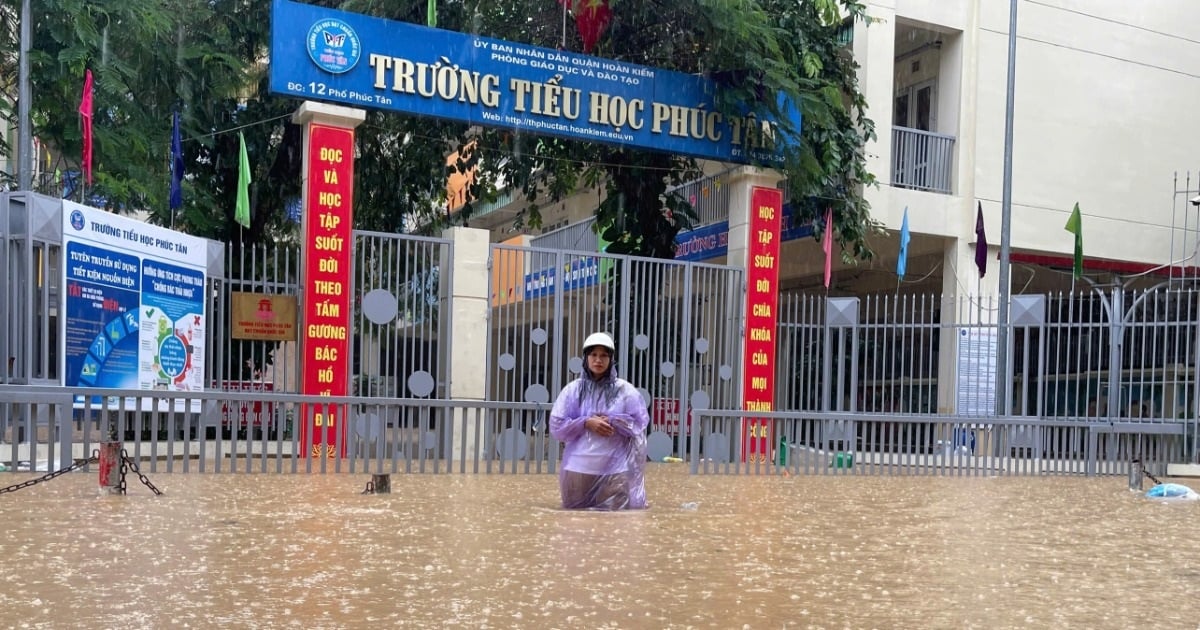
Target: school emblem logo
333,46
77,219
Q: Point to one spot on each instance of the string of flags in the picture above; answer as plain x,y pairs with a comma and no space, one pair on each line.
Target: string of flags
1074,226
176,167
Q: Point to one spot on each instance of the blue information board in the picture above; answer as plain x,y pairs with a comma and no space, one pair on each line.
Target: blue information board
133,304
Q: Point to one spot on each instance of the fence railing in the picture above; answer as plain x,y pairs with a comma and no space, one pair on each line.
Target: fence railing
724,442
45,429
922,160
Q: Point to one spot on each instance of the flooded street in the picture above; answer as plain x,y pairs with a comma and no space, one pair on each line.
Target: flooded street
265,551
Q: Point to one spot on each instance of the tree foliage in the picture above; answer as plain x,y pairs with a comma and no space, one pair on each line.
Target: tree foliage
206,59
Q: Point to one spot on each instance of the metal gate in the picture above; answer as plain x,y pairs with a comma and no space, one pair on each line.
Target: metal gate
677,327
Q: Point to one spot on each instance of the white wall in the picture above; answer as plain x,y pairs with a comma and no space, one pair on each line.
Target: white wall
1103,116
1106,98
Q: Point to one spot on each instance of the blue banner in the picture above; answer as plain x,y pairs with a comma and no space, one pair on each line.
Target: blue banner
712,240
101,310
577,274
362,61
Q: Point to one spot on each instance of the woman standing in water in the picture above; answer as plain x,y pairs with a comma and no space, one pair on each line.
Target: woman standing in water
602,419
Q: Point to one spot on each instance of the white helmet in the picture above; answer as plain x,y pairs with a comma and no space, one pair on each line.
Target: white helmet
599,339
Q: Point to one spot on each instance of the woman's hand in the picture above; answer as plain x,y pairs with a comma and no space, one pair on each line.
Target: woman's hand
599,425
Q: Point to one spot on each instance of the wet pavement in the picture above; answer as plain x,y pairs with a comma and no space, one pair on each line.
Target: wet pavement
479,551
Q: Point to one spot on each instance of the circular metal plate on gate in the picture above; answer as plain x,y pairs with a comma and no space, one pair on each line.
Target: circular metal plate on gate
512,444
379,306
701,345
658,446
537,393
700,400
429,440
716,447
575,364
641,342
420,383
645,396
725,372
538,336
366,426
507,362
667,369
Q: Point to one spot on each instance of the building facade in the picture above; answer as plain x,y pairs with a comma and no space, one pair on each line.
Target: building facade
1104,93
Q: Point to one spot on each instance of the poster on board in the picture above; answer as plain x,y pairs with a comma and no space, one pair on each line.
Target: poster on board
133,303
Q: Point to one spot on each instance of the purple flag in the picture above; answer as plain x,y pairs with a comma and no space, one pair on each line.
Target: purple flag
981,244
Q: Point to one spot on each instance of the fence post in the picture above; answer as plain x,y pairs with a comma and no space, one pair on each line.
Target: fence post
467,305
1136,472
110,468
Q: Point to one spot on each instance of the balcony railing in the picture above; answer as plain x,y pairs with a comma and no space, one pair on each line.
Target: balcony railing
922,160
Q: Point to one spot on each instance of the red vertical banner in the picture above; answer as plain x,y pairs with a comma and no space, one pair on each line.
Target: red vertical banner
762,299
328,242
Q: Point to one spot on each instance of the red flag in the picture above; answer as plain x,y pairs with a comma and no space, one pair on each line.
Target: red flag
828,244
591,17
85,112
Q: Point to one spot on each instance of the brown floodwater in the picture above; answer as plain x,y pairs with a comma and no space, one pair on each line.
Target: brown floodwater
267,551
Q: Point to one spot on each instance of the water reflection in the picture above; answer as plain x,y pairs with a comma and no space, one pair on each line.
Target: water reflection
493,551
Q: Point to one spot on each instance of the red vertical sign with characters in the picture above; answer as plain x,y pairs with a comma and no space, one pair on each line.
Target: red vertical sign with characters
762,298
328,225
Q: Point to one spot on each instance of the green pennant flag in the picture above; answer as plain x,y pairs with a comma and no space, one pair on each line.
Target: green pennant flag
606,264
1075,226
431,13
242,214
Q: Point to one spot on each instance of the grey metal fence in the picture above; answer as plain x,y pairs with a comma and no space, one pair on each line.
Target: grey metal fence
1110,365
912,444
47,428
264,269
402,330
677,326
884,383
31,268
398,330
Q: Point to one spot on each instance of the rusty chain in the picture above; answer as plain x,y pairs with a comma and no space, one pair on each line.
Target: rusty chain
125,459
126,463
1137,461
79,463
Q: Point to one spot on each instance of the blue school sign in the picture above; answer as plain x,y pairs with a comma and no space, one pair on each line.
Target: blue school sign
363,61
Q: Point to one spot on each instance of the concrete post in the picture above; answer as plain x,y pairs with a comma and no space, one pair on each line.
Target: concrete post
381,483
742,183
327,185
467,304
110,468
967,300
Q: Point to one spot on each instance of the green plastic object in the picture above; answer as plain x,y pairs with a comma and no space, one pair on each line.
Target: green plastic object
781,453
842,460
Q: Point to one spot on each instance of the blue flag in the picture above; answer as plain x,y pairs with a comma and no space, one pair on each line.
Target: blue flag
176,164
902,258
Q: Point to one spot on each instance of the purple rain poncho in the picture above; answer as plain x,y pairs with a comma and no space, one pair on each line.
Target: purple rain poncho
602,473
